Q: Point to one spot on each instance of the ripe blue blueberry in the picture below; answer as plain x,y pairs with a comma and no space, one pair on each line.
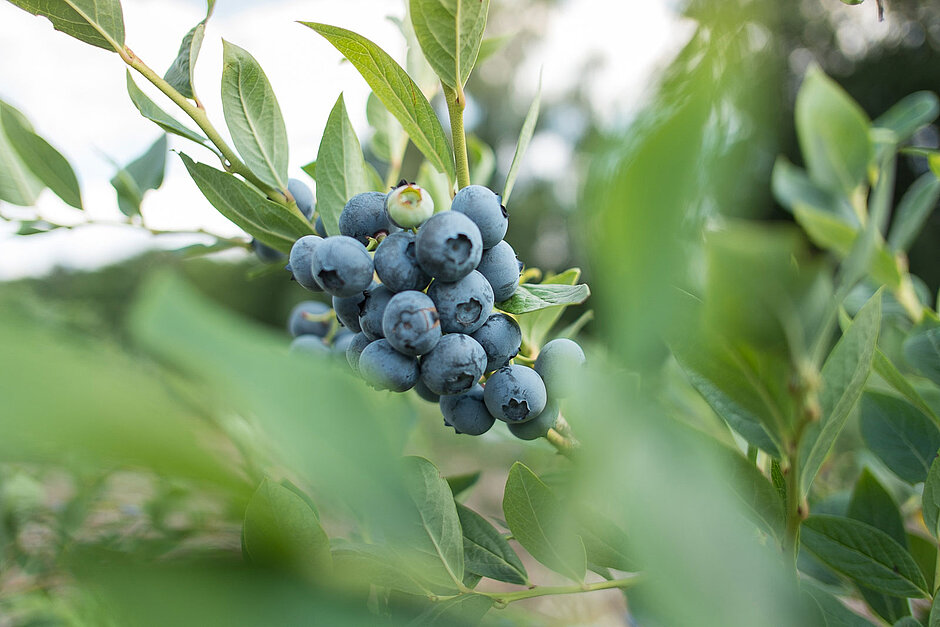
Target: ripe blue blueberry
454,365
320,229
265,253
408,205
537,427
501,338
342,266
463,305
501,268
371,310
397,265
341,342
422,390
515,394
384,368
467,412
309,318
485,208
300,263
354,350
364,217
302,196
558,364
448,246
347,309
309,345
410,323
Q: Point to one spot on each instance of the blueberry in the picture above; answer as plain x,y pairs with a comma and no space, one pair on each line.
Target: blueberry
341,342
384,368
309,318
347,309
485,208
302,196
342,266
501,338
537,427
515,394
467,412
501,268
408,205
354,350
558,364
396,264
448,246
422,390
464,305
300,262
309,344
265,253
454,365
320,229
364,217
410,323
371,310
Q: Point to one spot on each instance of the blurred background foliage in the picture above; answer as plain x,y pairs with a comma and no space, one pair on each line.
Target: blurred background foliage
155,406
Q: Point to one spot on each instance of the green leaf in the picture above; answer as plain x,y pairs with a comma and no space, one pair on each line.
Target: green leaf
932,156
460,611
893,377
340,171
533,297
357,562
18,186
400,95
909,114
253,117
793,188
181,72
389,141
931,499
907,621
913,210
843,377
281,529
149,109
268,221
482,161
922,350
900,435
872,504
140,176
533,514
604,541
486,552
450,32
833,133
461,483
525,136
311,169
924,552
536,325
757,495
439,539
96,22
834,613
491,45
863,553
44,161
934,620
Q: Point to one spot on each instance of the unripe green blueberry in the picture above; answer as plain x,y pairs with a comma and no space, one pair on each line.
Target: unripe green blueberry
409,206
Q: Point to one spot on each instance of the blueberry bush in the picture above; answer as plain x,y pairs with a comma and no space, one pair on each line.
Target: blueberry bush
748,437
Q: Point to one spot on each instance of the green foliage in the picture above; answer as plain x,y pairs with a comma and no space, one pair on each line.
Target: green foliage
900,435
140,176
96,22
922,350
181,72
158,116
525,136
531,297
450,33
486,552
341,170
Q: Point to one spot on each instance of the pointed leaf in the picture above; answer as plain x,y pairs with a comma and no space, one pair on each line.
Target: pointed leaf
922,350
793,188
758,496
893,377
464,610
913,210
140,176
281,529
253,117
863,553
461,483
833,612
18,186
604,541
181,72
934,620
900,435
357,563
525,136
44,161
450,32
96,22
438,534
843,377
533,514
536,325
533,297
482,161
400,95
491,45
909,114
340,170
268,221
486,552
931,499
149,109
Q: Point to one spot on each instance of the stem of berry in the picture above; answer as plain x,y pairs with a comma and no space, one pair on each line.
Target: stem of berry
455,106
501,599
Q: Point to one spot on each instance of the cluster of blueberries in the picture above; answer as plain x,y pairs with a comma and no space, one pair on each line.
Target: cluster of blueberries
428,323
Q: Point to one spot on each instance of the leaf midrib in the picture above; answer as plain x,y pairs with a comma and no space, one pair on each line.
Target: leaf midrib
251,125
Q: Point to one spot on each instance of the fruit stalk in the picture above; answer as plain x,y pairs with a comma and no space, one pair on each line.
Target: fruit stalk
455,106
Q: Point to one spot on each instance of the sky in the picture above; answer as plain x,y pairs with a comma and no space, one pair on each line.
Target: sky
76,98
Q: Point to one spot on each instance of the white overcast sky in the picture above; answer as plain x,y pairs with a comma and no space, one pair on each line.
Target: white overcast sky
75,96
